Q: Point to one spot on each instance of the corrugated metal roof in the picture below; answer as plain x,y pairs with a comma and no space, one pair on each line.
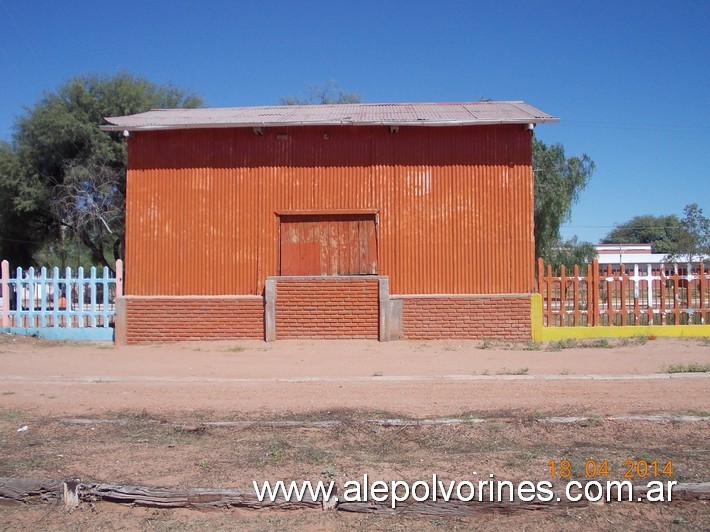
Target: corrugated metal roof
388,114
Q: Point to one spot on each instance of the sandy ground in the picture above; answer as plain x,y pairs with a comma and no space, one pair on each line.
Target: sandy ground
419,379
157,399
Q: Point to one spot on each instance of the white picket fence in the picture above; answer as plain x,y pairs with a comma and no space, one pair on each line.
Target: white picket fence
60,305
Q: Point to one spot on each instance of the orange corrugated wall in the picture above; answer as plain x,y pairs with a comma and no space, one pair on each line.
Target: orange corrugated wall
454,204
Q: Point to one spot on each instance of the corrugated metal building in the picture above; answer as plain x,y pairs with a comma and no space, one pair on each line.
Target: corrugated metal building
431,205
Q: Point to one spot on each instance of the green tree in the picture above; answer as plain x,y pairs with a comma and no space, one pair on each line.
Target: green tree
570,253
694,239
558,183
317,95
662,232
67,176
19,237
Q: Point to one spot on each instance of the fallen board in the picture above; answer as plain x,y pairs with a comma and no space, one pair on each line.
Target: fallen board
73,492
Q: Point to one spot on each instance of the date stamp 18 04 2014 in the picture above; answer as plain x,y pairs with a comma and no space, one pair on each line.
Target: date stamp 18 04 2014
630,469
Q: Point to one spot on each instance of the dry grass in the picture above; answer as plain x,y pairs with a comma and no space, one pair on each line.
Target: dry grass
183,451
596,343
693,367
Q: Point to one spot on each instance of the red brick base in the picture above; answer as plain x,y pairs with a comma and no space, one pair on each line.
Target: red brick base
503,317
327,307
323,307
179,318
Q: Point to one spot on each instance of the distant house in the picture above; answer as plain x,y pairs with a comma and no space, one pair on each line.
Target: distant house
631,254
334,221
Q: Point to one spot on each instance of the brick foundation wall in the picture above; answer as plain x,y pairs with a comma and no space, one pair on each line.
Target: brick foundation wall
502,317
170,319
323,307
327,307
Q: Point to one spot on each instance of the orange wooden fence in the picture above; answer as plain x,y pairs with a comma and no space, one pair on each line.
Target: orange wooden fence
674,294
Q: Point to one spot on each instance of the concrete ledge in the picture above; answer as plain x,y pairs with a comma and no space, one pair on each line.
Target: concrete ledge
390,313
536,318
550,334
270,310
460,296
325,277
88,334
190,298
121,337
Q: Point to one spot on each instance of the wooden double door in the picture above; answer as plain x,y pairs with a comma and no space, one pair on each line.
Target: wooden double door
328,244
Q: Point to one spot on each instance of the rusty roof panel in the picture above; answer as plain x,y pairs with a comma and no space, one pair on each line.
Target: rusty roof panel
389,114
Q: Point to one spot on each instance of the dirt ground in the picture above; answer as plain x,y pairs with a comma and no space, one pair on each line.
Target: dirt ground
148,414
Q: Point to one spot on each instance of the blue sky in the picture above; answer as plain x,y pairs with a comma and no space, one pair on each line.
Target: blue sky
630,80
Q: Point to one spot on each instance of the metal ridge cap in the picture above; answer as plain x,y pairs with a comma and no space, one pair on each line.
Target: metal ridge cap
301,123
316,105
